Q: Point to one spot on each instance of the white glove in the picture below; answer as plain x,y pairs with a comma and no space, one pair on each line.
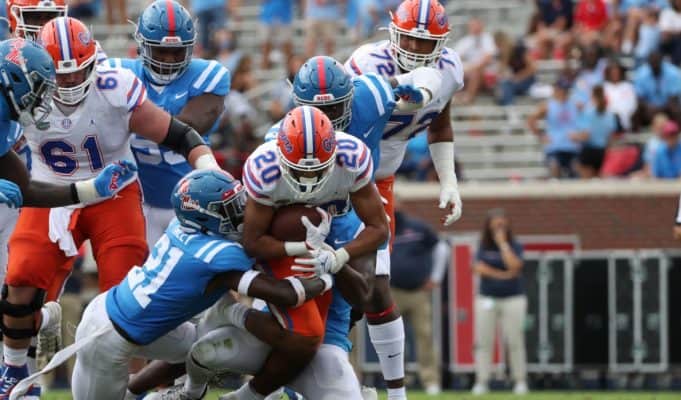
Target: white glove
449,196
316,234
322,261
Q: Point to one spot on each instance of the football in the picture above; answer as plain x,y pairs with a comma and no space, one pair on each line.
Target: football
286,224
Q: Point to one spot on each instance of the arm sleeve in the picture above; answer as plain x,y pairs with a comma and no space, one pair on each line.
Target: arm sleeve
254,184
365,171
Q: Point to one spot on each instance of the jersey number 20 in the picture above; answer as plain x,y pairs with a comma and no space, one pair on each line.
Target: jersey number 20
158,267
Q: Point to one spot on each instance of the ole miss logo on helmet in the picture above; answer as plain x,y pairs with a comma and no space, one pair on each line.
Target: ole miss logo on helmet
186,201
14,55
306,134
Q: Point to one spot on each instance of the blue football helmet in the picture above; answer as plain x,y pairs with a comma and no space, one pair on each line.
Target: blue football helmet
27,77
210,201
165,34
322,82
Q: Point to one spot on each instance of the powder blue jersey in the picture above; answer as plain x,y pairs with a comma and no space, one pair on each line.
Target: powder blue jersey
372,104
159,168
171,287
10,130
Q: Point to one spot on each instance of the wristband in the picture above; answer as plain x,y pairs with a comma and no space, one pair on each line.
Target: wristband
328,282
342,257
86,191
295,248
442,154
206,161
299,289
246,280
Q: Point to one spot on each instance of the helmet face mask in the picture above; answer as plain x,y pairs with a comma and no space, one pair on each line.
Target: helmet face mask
418,33
307,180
165,36
70,93
30,18
323,83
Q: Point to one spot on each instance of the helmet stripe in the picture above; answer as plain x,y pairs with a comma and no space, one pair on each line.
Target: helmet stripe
171,17
63,38
424,8
308,130
321,70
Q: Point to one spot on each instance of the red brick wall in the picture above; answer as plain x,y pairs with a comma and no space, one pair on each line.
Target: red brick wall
602,222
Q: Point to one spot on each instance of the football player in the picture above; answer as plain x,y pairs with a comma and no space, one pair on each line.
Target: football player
192,266
192,90
75,141
418,32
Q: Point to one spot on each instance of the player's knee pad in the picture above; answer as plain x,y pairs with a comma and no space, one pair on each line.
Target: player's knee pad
20,311
230,349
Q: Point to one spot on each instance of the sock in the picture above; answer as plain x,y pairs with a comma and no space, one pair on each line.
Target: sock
245,392
15,357
397,394
45,318
197,378
388,341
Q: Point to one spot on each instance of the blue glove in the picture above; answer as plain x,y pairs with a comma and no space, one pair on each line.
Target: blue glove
10,194
114,177
409,93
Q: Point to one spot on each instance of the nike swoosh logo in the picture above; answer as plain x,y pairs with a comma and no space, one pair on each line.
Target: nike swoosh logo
393,355
180,95
339,242
369,132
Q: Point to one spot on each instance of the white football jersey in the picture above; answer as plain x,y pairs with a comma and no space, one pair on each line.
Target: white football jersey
353,170
78,145
402,126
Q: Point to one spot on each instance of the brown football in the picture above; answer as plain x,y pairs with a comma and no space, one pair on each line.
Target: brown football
286,225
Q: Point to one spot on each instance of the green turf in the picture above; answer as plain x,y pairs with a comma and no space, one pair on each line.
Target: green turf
63,395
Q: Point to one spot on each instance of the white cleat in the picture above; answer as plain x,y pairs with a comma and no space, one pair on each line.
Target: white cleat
479,389
173,393
49,337
433,389
520,388
369,393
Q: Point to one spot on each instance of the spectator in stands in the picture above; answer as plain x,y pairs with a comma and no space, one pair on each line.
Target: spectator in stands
658,87
477,51
84,10
118,7
276,17
670,25
667,161
418,264
236,138
501,299
553,26
591,18
228,53
590,74
561,115
211,16
659,124
649,36
517,73
620,93
321,18
596,126
633,12
282,95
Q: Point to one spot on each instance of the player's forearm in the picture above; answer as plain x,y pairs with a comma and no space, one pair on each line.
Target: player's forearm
42,194
290,292
356,280
368,241
264,247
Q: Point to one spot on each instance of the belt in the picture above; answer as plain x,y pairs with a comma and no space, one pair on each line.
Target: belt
124,334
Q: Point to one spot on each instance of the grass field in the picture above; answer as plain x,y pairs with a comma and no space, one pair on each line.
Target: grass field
63,395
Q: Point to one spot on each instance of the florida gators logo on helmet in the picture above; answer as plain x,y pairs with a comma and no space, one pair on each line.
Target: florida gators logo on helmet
307,149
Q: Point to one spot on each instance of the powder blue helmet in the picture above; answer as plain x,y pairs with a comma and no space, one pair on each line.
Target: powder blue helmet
166,25
322,82
210,201
27,77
